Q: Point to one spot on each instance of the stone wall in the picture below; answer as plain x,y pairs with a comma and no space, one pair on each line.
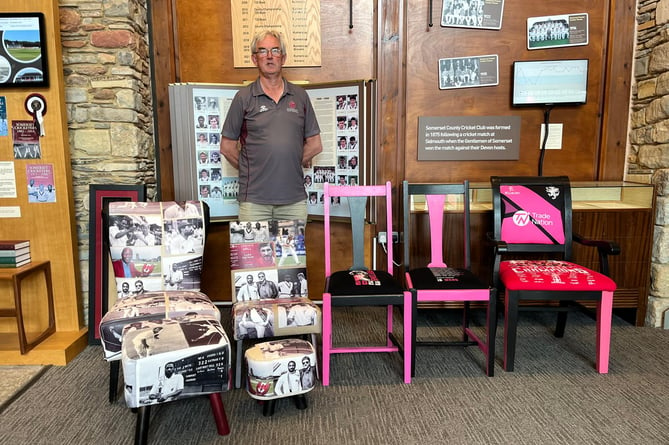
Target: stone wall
109,105
648,154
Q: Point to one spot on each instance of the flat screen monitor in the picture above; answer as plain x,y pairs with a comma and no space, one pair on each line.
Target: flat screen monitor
550,82
23,61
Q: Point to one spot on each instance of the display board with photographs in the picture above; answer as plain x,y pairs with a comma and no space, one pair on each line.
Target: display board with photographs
201,173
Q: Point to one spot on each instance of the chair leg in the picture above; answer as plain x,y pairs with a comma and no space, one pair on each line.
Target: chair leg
238,365
561,320
604,315
491,326
142,426
300,401
220,417
408,337
414,318
268,408
326,342
113,380
389,325
465,320
510,330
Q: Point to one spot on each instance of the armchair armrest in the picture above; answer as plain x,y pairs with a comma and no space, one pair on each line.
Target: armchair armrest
499,246
604,249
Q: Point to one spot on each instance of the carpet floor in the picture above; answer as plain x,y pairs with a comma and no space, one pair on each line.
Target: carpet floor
554,396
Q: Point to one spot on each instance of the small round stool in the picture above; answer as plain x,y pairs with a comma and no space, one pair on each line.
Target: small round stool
280,368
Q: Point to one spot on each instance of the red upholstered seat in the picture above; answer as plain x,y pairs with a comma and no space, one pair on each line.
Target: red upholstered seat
552,275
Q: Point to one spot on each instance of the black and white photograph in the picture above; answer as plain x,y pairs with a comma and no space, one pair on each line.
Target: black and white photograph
484,14
557,31
468,72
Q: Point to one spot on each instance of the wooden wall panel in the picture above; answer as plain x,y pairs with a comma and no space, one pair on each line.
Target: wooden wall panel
424,98
204,44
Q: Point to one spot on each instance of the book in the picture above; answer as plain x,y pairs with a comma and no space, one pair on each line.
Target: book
13,244
15,264
14,253
14,260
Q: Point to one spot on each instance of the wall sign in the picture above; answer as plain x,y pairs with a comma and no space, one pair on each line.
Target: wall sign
298,20
468,138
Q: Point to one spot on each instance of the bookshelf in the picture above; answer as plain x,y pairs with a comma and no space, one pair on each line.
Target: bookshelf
50,226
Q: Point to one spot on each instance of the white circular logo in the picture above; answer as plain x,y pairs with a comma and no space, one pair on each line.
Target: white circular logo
521,218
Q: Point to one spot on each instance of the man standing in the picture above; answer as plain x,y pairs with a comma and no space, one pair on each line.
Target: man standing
174,278
275,124
288,382
248,291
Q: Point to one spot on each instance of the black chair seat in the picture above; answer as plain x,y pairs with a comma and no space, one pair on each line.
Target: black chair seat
446,278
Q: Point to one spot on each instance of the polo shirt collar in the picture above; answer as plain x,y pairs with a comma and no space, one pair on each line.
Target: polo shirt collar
256,88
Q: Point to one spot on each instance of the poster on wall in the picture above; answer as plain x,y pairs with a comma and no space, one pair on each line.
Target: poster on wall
26,140
468,72
41,185
557,31
4,131
23,62
198,111
484,14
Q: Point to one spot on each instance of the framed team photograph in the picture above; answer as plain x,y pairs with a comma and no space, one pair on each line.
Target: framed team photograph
483,14
468,72
557,31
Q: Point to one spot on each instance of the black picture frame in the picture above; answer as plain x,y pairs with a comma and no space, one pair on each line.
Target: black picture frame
100,195
23,50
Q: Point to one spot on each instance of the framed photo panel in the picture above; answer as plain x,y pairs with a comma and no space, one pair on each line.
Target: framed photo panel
98,271
23,58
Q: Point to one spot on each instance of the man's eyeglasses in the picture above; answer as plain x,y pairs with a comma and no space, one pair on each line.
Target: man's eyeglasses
263,52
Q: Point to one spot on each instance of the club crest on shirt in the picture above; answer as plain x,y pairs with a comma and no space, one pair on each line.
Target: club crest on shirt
263,108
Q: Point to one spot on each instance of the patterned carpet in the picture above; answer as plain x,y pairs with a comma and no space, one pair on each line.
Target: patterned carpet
15,379
554,396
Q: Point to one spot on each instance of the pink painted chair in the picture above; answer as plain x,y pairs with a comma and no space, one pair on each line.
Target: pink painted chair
533,248
361,285
427,274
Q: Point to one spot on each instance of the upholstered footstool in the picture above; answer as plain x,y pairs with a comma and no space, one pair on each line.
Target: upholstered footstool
169,359
281,368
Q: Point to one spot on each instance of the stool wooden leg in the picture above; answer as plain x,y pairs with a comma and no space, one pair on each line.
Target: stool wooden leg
218,410
268,408
113,380
142,426
300,401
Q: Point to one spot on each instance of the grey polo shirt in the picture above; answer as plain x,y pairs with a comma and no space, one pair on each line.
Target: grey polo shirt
272,142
